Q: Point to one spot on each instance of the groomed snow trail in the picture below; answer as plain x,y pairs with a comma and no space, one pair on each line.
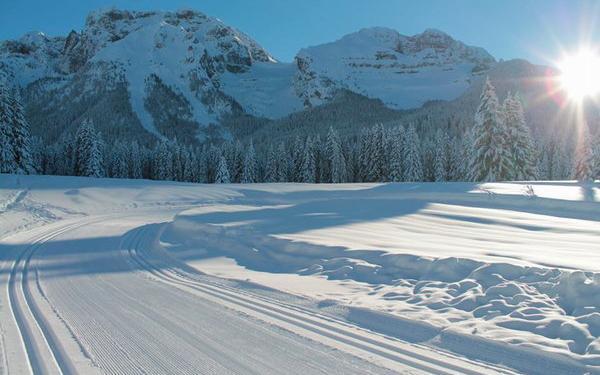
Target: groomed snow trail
93,295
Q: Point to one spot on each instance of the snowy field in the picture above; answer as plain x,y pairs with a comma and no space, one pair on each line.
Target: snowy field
133,276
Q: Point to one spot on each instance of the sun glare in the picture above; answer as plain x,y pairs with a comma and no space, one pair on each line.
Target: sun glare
580,74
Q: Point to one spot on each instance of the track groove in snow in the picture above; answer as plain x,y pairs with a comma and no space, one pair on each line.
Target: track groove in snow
44,352
127,334
326,327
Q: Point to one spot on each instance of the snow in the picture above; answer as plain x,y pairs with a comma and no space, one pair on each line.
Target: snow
381,63
266,90
454,276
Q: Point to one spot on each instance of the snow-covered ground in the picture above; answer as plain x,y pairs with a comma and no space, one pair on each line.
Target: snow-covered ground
123,276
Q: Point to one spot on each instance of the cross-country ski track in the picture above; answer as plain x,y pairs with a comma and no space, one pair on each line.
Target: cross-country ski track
94,295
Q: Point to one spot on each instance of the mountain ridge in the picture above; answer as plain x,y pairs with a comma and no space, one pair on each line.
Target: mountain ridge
178,74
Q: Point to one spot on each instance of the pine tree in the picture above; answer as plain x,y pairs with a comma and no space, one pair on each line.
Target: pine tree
135,164
283,163
250,170
397,150
441,156
222,173
584,161
413,168
491,159
8,163
271,166
15,139
308,171
336,160
202,166
88,152
163,161
377,158
236,163
596,157
118,166
297,152
521,145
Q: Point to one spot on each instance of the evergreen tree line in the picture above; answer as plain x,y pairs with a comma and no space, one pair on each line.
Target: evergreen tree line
498,148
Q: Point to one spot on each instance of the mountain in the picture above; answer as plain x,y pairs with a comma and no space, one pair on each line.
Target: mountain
148,75
402,71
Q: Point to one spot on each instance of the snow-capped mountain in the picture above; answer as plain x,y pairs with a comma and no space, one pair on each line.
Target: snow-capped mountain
175,73
179,56
402,71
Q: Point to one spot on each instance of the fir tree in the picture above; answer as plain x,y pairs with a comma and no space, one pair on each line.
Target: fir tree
271,166
413,169
250,170
584,161
8,163
336,161
15,139
163,161
521,145
397,150
135,164
222,173
440,161
308,170
88,152
491,159
282,163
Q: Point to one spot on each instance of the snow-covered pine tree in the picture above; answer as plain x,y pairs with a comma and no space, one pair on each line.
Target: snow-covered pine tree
222,172
271,165
134,162
163,161
7,157
236,163
336,161
317,149
397,150
441,156
521,145
308,171
378,155
413,168
250,171
455,160
366,154
88,152
15,139
118,165
202,165
296,154
282,159
584,160
596,157
491,159
187,161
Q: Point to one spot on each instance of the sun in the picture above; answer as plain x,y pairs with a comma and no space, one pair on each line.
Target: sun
580,74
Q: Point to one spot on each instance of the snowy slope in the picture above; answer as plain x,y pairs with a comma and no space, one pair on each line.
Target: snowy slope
93,292
498,273
402,71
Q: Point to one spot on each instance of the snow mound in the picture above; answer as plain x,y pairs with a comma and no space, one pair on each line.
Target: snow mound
486,260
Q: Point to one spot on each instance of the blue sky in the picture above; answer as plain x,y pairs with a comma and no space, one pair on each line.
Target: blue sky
531,29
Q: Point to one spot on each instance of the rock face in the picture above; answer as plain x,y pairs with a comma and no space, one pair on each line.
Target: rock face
402,71
151,71
186,52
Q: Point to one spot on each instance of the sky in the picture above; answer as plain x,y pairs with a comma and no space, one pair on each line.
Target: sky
536,30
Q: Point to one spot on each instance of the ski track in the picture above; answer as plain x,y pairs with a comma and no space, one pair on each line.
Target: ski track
303,318
43,350
160,318
152,336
